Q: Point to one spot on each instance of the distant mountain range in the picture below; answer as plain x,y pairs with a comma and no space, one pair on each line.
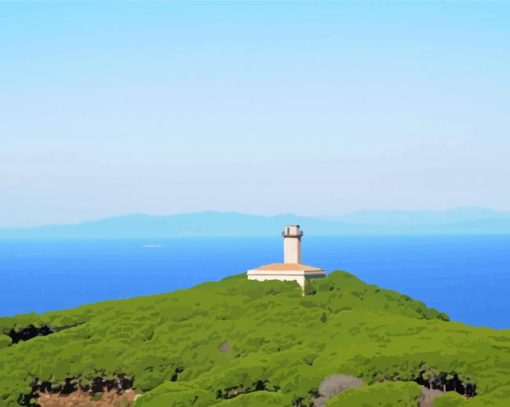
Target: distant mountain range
203,224
423,217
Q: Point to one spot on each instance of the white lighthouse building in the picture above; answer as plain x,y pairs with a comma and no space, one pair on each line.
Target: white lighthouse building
291,269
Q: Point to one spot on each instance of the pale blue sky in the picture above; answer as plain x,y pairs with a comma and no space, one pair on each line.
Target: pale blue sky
311,108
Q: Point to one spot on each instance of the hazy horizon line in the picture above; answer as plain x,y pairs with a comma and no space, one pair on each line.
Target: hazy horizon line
324,217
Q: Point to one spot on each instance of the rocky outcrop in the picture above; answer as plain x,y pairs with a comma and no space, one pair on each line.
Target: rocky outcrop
332,385
428,396
85,399
118,384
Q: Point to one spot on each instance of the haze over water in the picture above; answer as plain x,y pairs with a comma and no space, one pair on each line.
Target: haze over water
465,276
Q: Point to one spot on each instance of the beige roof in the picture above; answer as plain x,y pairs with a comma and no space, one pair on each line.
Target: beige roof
288,267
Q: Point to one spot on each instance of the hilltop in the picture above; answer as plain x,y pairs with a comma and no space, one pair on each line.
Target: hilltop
246,343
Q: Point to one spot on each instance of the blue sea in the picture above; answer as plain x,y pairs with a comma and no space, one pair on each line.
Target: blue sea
468,277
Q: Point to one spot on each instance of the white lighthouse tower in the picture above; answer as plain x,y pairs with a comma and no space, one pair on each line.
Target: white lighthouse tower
291,269
292,244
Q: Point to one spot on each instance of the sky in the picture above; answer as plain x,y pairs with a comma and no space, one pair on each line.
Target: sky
313,108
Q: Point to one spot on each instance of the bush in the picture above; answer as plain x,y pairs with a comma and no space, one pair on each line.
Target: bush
173,394
387,394
5,341
257,399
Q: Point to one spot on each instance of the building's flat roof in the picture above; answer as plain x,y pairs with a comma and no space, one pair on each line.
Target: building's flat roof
288,267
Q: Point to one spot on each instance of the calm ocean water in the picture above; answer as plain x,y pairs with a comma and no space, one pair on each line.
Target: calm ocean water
467,277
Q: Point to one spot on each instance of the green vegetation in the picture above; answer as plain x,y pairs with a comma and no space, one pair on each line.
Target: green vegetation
387,394
246,343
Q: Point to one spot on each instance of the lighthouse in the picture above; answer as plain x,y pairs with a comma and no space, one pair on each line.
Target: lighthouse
292,244
292,268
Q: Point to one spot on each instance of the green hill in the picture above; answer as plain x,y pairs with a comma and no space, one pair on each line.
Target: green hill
246,343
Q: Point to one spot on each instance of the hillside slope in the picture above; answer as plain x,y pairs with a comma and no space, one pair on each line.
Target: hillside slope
247,343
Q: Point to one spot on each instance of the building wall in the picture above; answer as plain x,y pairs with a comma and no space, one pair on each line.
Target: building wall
299,279
292,250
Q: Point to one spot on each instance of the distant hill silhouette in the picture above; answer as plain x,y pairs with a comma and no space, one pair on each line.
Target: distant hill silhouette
203,224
